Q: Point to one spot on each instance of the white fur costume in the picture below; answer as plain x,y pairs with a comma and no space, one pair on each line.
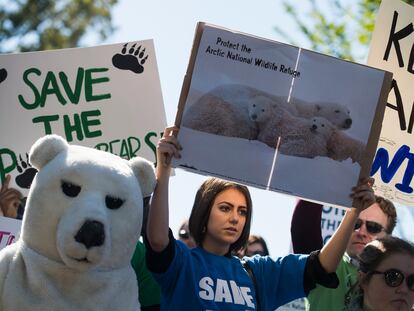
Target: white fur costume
82,221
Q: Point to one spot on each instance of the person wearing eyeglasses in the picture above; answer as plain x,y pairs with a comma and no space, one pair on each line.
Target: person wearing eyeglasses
375,222
385,277
185,236
256,245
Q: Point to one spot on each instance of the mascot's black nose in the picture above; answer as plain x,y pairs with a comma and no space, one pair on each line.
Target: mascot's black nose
348,122
91,234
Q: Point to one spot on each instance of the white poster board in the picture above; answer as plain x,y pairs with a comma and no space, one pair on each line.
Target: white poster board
330,220
332,217
279,117
391,49
295,305
9,231
107,97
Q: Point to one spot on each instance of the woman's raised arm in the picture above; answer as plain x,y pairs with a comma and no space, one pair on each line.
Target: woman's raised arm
333,250
158,221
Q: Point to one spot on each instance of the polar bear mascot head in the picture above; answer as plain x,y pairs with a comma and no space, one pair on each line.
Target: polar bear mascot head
82,221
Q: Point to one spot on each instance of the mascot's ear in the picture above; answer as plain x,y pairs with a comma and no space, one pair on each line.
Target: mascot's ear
144,172
45,149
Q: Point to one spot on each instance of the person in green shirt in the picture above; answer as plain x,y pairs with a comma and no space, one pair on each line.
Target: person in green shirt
149,292
376,221
148,288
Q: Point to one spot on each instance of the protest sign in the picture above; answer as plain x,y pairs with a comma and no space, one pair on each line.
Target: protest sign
279,117
295,305
106,97
392,49
9,231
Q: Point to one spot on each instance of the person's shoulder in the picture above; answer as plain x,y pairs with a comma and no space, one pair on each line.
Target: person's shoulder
348,264
283,261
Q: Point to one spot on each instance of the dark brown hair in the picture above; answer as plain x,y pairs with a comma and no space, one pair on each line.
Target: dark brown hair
258,239
389,209
377,251
203,203
372,256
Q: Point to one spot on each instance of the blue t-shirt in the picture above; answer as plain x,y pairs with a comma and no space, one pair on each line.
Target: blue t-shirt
199,280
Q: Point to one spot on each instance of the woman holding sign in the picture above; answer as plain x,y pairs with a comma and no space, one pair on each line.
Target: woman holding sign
208,277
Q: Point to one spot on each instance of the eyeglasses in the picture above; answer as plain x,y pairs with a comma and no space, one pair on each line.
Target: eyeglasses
372,226
183,234
258,252
394,278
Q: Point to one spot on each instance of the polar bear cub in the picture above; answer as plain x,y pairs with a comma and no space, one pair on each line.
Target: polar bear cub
310,139
298,136
336,113
303,137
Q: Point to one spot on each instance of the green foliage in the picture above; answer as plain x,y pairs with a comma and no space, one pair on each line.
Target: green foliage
30,25
338,28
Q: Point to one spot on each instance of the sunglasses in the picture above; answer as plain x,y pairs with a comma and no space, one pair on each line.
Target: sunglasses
372,226
394,278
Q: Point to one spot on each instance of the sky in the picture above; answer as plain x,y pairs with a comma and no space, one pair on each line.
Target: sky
171,24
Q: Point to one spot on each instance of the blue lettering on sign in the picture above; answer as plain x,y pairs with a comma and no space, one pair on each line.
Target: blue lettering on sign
396,36
388,171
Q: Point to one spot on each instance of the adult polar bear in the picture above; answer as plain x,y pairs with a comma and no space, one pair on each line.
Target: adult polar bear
215,115
225,111
81,224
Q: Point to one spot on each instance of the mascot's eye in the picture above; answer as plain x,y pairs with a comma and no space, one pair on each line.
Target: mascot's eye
71,190
337,111
113,203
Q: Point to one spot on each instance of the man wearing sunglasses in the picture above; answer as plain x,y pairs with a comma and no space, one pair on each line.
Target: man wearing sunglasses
376,221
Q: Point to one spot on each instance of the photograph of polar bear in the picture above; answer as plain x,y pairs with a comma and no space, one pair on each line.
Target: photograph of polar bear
248,119
295,128
336,113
